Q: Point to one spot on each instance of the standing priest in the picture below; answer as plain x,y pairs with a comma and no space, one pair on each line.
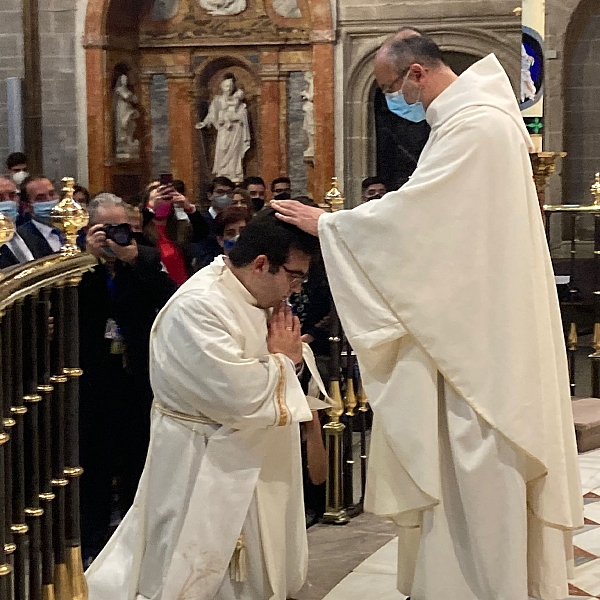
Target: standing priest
445,289
219,512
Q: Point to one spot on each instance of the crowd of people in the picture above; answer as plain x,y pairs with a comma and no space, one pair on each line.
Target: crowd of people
145,251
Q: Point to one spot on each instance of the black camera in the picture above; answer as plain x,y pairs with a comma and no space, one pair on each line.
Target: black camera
119,233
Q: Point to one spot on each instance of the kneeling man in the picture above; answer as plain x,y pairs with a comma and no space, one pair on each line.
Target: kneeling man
219,510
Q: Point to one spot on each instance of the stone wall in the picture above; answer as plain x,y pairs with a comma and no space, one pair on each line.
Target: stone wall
59,98
59,105
11,61
558,17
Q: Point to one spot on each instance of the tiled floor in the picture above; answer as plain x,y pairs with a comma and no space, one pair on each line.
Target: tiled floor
374,578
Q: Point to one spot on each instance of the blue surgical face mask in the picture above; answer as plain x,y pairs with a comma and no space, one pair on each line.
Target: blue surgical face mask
220,202
43,210
229,244
9,209
399,106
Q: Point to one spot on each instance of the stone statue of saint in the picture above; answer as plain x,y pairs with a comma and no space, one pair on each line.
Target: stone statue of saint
528,90
287,8
125,116
228,114
223,7
309,114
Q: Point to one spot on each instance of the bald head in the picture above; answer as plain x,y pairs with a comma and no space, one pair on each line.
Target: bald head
405,32
414,65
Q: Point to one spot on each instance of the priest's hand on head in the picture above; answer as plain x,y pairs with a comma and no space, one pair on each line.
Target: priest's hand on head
284,334
302,216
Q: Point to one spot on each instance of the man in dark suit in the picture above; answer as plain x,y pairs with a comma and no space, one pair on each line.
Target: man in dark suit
118,301
15,251
39,195
220,193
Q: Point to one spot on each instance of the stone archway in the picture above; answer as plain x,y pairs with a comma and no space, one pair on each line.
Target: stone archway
359,159
274,47
581,72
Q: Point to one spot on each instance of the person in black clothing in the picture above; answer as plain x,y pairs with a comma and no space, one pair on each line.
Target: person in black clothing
118,301
220,193
39,198
15,251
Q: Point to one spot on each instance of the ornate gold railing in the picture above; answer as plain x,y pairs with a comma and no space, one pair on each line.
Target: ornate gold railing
40,553
340,503
574,211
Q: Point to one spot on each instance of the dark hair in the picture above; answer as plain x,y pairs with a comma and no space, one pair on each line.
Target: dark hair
246,196
414,49
84,191
280,180
15,158
220,181
179,232
179,186
306,200
268,235
253,181
231,214
369,181
25,183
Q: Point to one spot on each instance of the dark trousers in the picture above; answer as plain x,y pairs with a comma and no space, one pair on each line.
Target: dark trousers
114,436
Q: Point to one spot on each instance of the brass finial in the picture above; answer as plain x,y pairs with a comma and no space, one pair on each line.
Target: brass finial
350,399
7,229
69,217
363,401
595,189
334,198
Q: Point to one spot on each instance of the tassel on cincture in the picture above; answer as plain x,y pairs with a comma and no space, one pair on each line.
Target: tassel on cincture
238,568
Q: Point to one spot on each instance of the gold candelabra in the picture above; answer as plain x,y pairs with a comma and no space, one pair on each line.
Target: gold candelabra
544,165
335,513
69,217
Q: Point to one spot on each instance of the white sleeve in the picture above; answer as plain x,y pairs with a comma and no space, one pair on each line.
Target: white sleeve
197,365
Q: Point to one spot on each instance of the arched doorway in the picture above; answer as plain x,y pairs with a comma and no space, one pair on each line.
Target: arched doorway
581,74
399,142
174,54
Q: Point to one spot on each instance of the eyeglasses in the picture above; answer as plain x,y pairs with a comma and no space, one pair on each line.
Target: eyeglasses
296,276
387,89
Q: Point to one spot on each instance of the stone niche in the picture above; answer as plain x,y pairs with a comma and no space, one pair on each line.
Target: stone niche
176,53
466,30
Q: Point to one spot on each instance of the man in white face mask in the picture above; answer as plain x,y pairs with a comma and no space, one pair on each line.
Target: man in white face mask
15,251
16,163
40,197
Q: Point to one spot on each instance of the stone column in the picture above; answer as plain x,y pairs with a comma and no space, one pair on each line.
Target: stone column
145,127
99,143
32,86
181,126
270,161
323,63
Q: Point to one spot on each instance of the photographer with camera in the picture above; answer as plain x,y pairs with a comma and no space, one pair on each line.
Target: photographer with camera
119,299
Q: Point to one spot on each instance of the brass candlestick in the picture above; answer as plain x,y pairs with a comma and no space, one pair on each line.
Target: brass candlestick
69,217
544,165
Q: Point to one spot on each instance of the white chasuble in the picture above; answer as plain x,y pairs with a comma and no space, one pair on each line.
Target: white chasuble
446,291
219,511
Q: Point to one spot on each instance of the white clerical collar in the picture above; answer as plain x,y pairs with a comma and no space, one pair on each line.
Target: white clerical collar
231,282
